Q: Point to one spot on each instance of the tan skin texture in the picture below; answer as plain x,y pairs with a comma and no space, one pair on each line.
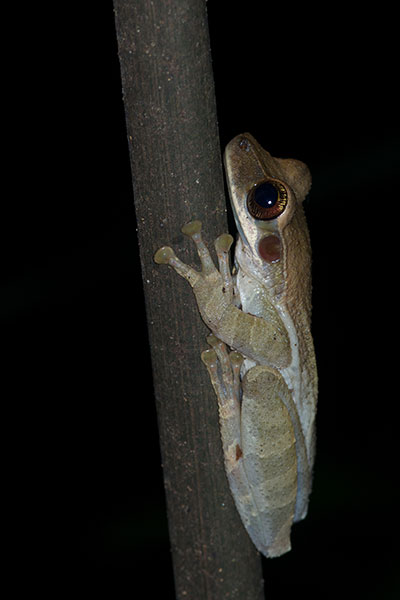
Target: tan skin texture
266,386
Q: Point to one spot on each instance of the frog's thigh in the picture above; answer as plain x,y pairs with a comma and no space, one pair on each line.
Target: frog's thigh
269,457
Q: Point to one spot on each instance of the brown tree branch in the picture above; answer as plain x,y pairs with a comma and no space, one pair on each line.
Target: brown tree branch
177,176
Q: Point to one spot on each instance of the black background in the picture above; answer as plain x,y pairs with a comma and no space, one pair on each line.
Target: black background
316,84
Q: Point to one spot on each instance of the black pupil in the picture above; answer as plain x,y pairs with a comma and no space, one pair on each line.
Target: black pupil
266,195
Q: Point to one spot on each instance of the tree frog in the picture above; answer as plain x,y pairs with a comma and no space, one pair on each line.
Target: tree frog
261,362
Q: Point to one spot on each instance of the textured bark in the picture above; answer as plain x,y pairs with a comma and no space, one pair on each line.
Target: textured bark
177,176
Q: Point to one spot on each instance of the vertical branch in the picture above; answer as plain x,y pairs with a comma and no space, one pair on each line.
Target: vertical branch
177,176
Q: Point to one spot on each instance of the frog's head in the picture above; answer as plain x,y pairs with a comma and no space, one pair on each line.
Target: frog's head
266,195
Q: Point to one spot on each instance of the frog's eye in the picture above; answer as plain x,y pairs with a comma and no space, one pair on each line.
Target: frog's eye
267,200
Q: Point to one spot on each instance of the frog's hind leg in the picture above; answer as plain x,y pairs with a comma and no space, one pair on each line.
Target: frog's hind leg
268,434
258,440
224,371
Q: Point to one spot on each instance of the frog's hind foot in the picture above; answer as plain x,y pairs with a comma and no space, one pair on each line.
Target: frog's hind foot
224,370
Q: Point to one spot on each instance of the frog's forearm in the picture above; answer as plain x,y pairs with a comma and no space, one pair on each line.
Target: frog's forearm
262,341
265,341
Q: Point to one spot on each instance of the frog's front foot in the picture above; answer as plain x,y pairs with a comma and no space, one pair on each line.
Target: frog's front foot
209,276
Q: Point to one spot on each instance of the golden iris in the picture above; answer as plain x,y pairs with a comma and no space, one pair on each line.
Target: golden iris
267,200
